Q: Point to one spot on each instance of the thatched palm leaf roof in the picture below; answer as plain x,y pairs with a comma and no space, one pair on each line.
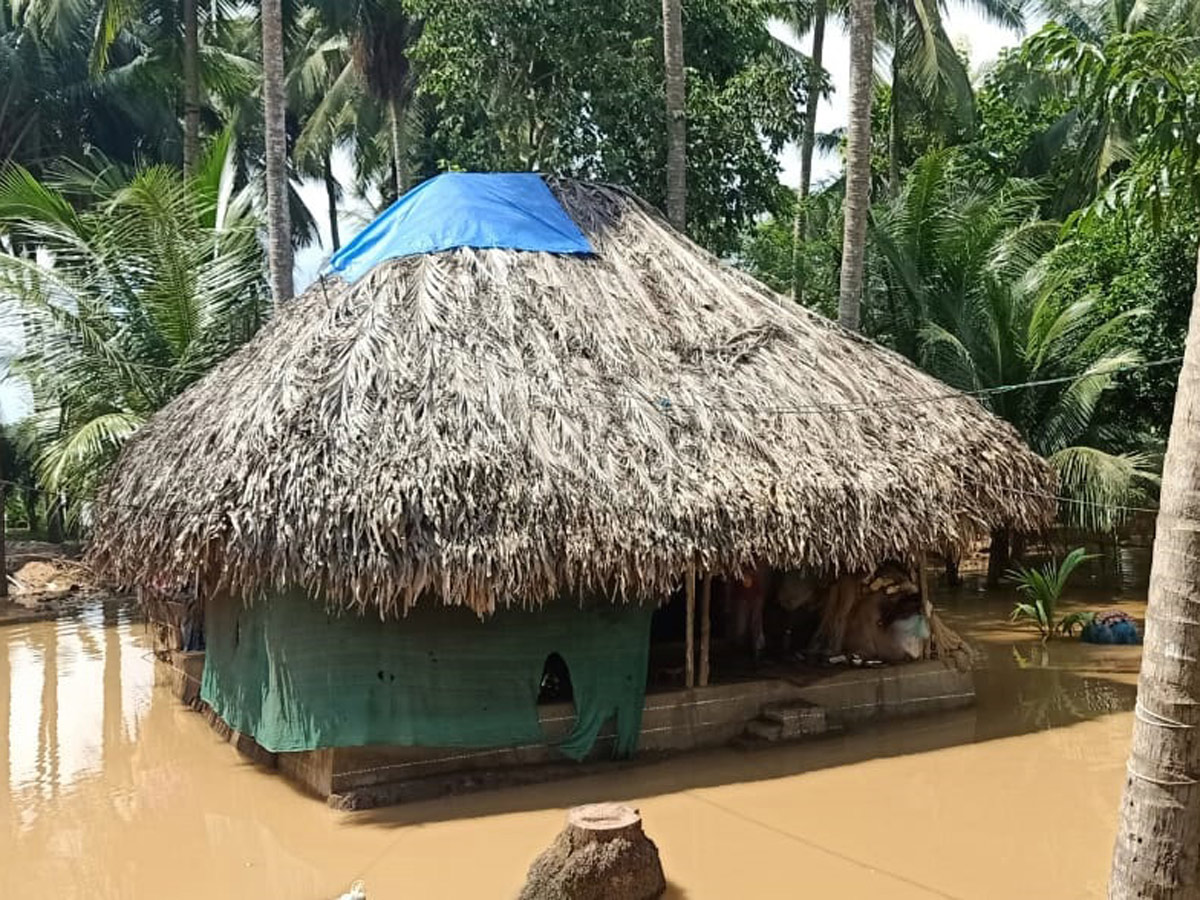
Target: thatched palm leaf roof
492,427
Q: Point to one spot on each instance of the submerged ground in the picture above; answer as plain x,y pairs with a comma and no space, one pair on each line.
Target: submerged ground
114,790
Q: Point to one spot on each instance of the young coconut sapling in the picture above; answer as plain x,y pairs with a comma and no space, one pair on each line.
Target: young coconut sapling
1042,588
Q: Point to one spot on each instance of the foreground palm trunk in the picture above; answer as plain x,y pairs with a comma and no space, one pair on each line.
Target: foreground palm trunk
279,227
676,121
800,220
858,161
1158,839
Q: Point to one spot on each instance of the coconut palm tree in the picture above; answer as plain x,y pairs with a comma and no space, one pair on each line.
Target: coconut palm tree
320,56
857,202
801,17
1159,829
925,68
279,231
52,104
368,102
130,300
969,292
799,223
165,35
1126,70
191,86
672,18
114,16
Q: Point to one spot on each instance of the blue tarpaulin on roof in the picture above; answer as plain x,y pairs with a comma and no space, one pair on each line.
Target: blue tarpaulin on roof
506,210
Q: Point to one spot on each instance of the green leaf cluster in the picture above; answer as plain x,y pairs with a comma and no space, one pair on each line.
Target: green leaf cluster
1042,589
520,85
123,301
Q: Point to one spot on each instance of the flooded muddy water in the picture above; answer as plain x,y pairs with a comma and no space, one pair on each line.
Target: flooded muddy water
116,791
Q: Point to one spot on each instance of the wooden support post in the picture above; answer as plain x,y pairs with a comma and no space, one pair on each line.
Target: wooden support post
926,603
705,627
690,664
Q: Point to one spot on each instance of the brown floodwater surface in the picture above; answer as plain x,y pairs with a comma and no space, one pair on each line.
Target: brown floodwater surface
116,791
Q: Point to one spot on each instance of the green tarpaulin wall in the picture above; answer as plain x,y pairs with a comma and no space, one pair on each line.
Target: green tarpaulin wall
297,677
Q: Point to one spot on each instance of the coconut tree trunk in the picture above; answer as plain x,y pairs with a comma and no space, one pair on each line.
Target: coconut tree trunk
191,87
672,13
894,106
399,164
953,560
999,555
279,227
55,526
1157,850
30,498
807,142
856,205
331,198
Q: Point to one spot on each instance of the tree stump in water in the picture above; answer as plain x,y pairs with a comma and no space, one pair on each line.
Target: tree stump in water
601,854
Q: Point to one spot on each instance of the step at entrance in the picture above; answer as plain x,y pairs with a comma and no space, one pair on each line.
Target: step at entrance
788,721
796,718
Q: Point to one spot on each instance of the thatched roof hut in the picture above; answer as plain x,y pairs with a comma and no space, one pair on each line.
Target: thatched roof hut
492,427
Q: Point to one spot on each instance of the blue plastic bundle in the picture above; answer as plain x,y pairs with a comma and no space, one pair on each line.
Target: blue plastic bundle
1112,627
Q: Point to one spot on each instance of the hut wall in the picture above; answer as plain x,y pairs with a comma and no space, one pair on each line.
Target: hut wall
297,677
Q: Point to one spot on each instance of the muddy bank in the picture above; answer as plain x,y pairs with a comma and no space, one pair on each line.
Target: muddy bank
47,580
16,612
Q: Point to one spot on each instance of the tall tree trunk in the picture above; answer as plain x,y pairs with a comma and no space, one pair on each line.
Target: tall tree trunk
672,13
191,87
999,555
953,560
55,526
30,498
894,106
399,163
279,226
856,205
953,575
1157,850
800,220
331,199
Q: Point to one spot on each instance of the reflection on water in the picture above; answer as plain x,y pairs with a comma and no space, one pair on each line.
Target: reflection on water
72,695
115,790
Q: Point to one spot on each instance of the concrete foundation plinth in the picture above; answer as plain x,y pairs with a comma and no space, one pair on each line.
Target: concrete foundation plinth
798,704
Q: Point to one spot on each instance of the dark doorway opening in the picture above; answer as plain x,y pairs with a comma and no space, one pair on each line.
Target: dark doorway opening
555,686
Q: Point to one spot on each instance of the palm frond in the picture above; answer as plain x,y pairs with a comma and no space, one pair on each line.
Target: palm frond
114,16
159,279
1067,417
1100,488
